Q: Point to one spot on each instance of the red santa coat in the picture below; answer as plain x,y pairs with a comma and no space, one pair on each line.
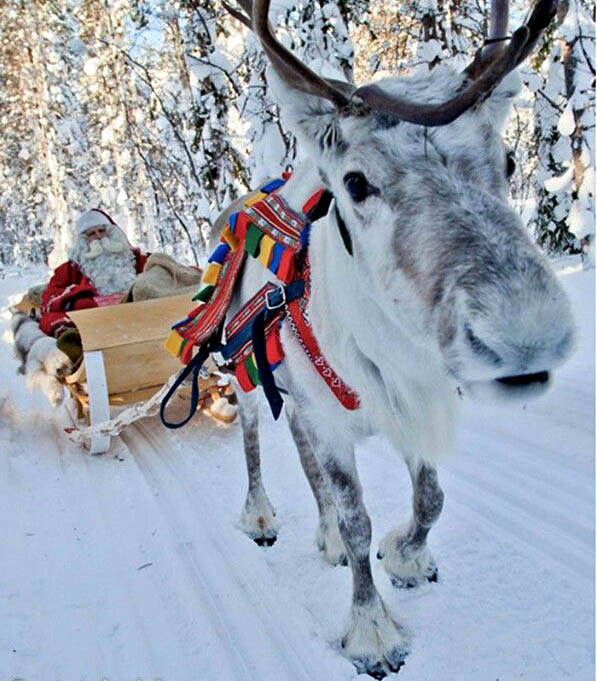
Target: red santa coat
69,289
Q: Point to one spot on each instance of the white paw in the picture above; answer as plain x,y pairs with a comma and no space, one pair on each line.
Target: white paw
222,410
258,519
57,363
329,541
374,642
51,388
407,565
46,364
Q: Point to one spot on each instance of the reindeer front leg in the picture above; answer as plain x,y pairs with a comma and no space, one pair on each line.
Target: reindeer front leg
374,642
404,551
258,517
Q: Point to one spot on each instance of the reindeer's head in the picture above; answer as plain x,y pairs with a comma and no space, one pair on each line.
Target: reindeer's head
419,174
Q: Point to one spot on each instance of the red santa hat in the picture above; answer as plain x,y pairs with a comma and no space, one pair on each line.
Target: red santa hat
93,218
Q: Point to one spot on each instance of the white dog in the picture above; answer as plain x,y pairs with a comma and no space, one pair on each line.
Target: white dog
41,361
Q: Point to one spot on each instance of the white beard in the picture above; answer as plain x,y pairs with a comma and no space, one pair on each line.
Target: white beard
105,245
109,264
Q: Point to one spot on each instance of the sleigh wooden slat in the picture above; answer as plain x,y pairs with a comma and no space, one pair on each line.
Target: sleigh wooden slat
124,360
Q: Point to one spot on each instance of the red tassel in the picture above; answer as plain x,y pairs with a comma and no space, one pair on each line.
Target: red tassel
243,378
187,352
312,202
286,270
240,231
273,347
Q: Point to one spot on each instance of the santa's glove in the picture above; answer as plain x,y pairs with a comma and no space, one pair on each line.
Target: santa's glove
69,342
46,367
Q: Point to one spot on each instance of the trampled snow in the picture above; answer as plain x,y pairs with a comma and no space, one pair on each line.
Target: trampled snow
129,565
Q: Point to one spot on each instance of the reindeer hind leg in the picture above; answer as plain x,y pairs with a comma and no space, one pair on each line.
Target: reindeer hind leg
328,537
258,517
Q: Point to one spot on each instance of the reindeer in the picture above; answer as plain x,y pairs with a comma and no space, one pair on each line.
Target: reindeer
424,284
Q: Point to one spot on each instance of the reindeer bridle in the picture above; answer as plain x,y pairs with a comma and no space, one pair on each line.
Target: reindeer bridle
490,65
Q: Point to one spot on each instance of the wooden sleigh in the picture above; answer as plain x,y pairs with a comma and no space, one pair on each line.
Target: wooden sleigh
124,361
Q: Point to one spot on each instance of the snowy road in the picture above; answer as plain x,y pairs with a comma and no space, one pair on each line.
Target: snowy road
129,566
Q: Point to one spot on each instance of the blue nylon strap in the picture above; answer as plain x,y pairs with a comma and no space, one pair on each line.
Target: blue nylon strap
193,367
234,344
266,377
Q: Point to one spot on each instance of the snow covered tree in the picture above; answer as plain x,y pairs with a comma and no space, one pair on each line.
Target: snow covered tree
36,103
403,34
317,32
220,164
158,110
565,130
114,180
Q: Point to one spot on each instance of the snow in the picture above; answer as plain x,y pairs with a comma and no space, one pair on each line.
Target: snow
130,565
580,221
566,123
560,183
91,65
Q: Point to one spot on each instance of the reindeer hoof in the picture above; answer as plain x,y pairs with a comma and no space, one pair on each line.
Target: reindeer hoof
375,643
265,541
408,565
396,668
377,670
330,543
333,557
258,519
401,583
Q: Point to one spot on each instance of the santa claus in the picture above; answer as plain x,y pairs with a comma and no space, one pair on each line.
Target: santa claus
101,268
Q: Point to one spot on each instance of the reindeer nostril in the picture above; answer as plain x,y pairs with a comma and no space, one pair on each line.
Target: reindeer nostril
524,379
480,348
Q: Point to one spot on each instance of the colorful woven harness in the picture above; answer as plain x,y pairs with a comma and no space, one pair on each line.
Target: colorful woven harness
271,232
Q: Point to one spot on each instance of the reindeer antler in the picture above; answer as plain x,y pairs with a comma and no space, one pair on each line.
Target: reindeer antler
287,66
488,68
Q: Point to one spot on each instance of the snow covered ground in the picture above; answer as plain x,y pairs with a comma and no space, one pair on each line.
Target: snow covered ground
129,566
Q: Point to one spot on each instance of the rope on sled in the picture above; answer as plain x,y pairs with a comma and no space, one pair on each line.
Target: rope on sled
150,407
113,427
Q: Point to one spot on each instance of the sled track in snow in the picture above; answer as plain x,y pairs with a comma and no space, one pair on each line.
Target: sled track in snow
533,502
519,489
508,493
258,630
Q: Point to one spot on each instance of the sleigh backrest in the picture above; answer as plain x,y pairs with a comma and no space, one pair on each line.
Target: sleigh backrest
131,337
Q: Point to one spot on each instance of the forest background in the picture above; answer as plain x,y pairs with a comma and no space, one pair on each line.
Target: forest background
159,113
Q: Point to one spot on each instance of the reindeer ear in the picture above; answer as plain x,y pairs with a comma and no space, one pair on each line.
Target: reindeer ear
314,120
499,103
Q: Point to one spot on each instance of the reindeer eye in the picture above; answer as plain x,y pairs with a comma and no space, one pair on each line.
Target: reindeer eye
357,186
510,164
